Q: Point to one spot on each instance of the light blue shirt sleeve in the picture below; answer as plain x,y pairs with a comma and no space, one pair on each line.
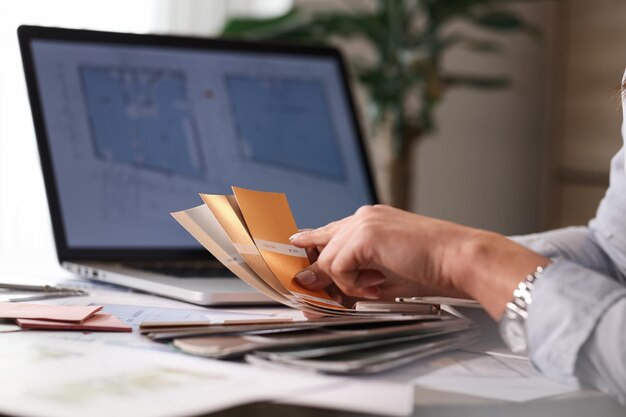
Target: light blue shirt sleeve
576,326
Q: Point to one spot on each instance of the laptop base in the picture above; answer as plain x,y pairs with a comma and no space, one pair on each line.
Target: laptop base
201,291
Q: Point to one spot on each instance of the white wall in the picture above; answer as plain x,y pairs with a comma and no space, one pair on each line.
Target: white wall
485,165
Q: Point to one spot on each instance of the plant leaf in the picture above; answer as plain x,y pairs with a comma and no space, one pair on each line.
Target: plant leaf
244,27
353,25
501,20
475,81
482,46
472,44
295,26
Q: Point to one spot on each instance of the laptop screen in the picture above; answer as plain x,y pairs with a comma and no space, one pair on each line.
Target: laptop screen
135,131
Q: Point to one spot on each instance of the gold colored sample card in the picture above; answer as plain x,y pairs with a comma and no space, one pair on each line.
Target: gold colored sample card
271,223
228,214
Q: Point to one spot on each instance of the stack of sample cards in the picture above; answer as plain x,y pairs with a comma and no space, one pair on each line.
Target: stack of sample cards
336,345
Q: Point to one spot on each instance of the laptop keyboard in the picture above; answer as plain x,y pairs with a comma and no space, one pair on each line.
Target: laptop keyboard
184,269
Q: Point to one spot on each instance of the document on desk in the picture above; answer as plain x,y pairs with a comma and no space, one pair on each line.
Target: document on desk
136,315
379,398
105,381
502,377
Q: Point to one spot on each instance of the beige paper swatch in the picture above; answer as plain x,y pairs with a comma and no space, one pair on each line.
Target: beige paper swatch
228,214
202,225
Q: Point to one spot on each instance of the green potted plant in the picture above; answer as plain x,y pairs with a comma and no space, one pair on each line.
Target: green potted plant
405,81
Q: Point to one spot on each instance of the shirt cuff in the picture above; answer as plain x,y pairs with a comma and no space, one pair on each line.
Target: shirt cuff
568,301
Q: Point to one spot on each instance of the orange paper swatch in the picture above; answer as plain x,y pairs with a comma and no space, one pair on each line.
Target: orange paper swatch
271,223
228,214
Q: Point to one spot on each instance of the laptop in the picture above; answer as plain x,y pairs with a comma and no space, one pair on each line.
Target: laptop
132,127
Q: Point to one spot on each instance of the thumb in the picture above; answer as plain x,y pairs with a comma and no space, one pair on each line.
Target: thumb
312,278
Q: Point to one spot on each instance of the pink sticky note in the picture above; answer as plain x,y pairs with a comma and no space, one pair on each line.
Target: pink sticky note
74,314
98,322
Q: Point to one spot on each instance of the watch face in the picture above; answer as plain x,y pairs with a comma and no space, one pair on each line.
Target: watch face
514,334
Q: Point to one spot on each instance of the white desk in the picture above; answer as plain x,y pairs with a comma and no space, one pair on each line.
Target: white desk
427,402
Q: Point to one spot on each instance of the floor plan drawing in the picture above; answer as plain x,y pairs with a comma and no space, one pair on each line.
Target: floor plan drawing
142,117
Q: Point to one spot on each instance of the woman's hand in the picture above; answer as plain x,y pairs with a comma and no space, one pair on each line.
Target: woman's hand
381,252
379,245
380,287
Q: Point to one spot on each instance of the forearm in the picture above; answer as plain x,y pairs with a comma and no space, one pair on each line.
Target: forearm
488,267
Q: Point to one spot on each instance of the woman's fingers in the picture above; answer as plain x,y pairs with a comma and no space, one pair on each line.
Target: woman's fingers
335,294
366,284
313,278
313,254
316,237
348,260
345,258
369,278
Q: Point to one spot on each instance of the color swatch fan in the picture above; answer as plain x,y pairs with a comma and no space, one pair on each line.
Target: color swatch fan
249,233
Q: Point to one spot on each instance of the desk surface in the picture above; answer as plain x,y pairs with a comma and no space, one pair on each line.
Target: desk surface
438,403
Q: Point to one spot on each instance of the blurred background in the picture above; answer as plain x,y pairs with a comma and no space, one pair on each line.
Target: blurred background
526,156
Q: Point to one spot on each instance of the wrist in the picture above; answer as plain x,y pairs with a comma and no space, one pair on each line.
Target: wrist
513,321
467,260
489,267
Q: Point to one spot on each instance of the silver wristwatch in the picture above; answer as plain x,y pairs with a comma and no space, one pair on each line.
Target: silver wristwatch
513,321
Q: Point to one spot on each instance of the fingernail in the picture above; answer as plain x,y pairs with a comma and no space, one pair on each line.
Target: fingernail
306,277
296,236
